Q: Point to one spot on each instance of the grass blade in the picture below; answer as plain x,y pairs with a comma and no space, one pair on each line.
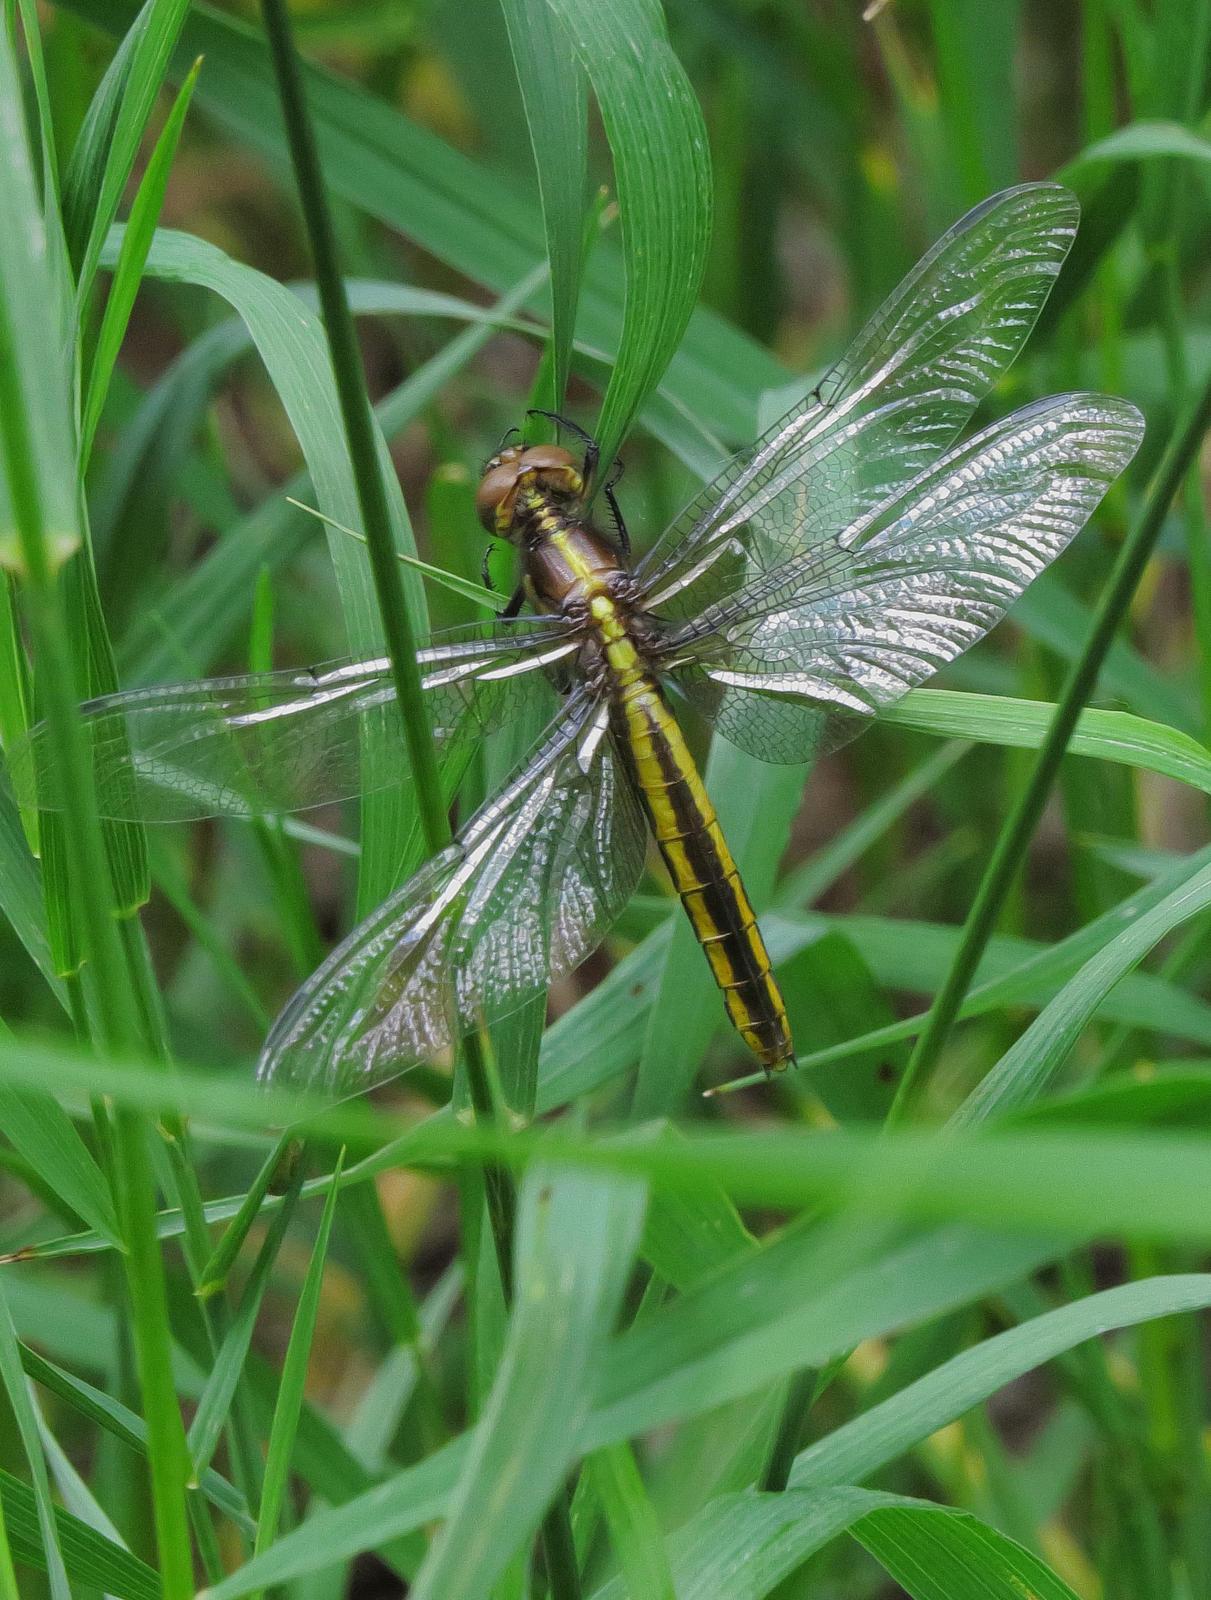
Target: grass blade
286,1412
128,272
662,168
554,95
937,1554
16,1386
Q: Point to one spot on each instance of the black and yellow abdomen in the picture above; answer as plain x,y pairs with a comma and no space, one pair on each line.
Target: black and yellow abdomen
691,841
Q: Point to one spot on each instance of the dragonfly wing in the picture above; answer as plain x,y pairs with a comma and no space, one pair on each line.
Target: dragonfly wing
899,397
526,891
283,741
802,658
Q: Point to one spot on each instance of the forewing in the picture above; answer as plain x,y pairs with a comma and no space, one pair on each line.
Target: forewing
900,396
526,891
803,657
283,741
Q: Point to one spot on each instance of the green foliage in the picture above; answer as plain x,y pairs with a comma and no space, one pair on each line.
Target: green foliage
247,1339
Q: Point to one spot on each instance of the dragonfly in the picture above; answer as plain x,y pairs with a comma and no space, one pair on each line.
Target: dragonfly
857,547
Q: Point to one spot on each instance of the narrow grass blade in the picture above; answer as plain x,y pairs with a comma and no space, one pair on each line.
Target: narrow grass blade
126,1426
36,1125
1023,1073
1023,724
553,92
128,272
215,1402
112,138
213,1276
799,1302
634,1527
16,1386
290,1399
474,592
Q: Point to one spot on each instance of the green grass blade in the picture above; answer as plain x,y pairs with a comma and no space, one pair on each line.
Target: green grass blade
1022,1074
749,1544
1023,724
128,97
635,1533
284,1429
128,272
862,1446
553,92
575,1241
36,1125
215,1402
291,343
90,1559
662,169
126,1426
937,1554
798,1302
16,1386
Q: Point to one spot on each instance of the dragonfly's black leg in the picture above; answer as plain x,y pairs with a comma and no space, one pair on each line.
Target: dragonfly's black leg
516,600
485,570
505,441
592,453
607,489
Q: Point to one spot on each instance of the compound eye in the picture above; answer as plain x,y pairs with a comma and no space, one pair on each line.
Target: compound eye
496,484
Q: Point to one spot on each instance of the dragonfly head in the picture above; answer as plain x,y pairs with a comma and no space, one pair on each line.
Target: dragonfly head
545,468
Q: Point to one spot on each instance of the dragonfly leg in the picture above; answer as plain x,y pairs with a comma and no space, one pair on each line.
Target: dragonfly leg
516,599
485,570
591,451
607,489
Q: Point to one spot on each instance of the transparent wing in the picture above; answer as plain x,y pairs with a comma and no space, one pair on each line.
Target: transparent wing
283,741
852,626
526,891
898,398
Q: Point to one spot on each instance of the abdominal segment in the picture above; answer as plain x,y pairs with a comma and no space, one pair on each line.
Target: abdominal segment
702,868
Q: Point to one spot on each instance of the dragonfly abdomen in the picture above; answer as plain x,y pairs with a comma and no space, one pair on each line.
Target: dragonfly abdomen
702,867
